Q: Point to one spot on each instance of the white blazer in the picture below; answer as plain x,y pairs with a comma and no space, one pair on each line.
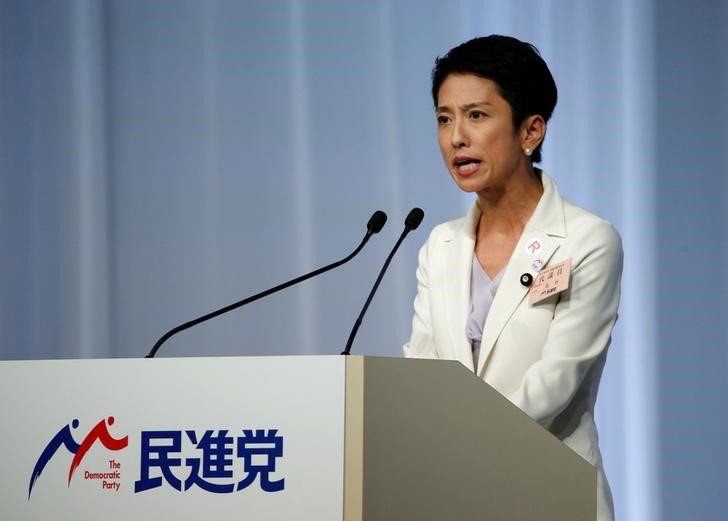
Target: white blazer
546,358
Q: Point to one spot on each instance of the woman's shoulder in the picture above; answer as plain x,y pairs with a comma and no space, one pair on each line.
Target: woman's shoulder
443,235
587,231
582,222
446,230
449,230
578,223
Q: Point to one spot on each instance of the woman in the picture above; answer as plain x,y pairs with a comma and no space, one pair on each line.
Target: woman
480,300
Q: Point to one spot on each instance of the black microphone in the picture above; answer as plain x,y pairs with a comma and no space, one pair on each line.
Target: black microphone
411,222
375,224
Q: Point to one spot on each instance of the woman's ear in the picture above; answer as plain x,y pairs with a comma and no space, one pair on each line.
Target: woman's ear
533,131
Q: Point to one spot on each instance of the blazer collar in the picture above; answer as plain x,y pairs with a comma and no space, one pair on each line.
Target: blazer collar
548,216
533,251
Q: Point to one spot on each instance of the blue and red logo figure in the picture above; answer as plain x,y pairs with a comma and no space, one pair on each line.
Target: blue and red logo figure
64,438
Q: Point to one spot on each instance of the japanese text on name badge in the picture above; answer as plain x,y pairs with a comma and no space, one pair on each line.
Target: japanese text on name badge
550,281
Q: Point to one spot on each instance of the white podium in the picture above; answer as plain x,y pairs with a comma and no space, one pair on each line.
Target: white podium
280,438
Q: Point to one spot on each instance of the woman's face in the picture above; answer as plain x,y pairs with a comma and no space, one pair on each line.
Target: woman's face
481,149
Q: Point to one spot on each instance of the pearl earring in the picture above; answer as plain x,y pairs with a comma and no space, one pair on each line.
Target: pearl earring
528,151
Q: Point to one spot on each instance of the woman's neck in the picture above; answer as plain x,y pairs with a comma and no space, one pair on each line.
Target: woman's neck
507,210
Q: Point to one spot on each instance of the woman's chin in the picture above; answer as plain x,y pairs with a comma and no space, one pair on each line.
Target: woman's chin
468,184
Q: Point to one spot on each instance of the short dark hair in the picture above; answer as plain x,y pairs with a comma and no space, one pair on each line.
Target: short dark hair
522,77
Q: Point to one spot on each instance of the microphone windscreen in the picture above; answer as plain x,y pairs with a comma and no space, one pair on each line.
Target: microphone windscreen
376,221
414,218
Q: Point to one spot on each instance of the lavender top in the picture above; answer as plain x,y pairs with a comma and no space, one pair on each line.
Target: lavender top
482,293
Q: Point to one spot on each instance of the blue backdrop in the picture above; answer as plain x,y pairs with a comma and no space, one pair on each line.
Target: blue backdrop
159,159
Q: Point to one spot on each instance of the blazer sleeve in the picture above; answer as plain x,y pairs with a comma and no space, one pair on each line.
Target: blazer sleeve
581,328
421,344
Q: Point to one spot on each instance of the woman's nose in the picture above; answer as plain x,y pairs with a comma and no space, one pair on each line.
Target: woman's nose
458,138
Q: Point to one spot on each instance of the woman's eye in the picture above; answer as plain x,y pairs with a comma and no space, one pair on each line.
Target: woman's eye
476,114
442,120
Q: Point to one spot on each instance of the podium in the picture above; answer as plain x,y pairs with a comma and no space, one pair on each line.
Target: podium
276,438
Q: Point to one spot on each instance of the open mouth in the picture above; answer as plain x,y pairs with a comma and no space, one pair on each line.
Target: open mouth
466,165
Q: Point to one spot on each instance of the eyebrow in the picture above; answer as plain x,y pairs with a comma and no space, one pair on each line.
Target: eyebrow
467,106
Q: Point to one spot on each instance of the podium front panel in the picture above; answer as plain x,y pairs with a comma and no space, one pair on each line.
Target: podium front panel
184,438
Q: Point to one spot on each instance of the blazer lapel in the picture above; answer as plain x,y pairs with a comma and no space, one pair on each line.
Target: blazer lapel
511,292
456,271
533,251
